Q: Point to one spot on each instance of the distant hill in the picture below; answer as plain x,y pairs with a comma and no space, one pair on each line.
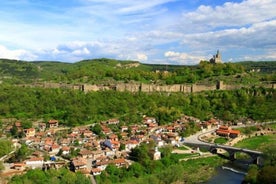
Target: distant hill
108,71
262,66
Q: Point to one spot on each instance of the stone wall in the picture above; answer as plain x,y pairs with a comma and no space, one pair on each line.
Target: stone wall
201,87
128,87
147,88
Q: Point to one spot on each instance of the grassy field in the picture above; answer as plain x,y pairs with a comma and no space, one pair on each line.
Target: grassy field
258,142
182,148
181,156
272,126
221,140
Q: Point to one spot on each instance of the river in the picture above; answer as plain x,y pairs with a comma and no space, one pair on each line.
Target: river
230,173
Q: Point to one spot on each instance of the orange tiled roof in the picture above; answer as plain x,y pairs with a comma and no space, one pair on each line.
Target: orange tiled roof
53,121
234,132
223,127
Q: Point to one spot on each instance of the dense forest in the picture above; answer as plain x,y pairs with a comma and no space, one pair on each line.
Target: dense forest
76,108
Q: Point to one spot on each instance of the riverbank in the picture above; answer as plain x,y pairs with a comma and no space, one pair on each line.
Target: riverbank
198,170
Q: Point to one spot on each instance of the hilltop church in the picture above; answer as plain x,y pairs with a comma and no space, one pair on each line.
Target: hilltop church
216,58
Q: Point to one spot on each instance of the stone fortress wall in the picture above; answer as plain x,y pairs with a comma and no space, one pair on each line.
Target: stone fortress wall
183,88
148,88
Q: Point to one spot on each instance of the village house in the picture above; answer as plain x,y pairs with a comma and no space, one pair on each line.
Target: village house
169,129
79,164
102,165
99,159
55,149
50,132
226,131
95,144
37,154
30,132
106,130
140,137
96,171
206,125
115,144
42,127
53,123
119,162
151,126
124,135
147,120
124,128
19,166
97,154
65,142
112,122
65,150
87,133
113,137
109,153
39,134
130,144
75,131
134,129
86,153
18,126
35,162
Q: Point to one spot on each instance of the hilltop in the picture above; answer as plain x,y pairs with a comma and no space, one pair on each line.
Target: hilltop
109,71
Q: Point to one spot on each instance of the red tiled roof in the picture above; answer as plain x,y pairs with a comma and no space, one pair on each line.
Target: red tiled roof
65,148
224,127
79,162
53,121
18,164
234,132
222,132
85,152
94,170
36,159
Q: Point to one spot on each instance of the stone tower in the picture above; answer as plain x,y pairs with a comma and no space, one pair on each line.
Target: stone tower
216,58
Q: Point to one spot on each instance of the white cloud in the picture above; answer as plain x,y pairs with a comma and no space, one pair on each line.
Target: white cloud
134,56
81,52
18,54
142,57
258,35
233,14
183,58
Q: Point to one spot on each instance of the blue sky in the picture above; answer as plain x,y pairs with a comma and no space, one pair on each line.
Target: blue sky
150,31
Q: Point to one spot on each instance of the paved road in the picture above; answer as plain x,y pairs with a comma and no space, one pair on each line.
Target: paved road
194,139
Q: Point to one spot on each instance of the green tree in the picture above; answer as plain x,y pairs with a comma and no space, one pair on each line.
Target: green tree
22,153
252,174
5,147
2,167
136,169
97,129
267,175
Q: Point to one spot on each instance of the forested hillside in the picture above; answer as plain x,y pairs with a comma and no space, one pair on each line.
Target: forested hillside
75,107
108,71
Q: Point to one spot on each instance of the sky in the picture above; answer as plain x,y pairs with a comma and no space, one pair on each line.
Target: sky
181,32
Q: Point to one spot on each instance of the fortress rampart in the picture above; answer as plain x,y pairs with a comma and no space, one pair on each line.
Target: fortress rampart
148,88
